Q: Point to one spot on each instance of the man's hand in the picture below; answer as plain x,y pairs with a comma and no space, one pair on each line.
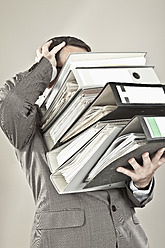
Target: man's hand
44,51
142,174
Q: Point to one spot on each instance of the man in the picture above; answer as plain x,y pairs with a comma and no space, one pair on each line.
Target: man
85,220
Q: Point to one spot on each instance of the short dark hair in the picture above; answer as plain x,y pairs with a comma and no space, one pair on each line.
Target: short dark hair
70,41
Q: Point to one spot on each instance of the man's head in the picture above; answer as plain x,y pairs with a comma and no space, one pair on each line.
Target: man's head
73,45
69,41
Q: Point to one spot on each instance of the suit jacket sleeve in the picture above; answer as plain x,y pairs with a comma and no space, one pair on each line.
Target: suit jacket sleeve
135,201
18,112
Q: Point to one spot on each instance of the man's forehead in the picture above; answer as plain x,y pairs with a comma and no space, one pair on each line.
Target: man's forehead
66,51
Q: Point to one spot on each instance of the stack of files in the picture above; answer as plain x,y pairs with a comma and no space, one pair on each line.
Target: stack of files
64,89
92,165
88,119
94,59
80,79
116,100
79,90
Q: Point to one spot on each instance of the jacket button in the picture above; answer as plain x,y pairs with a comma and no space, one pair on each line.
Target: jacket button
113,208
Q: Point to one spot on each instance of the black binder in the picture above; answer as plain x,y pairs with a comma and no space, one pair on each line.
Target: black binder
109,175
110,95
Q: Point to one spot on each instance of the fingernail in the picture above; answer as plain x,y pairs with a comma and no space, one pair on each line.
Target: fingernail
146,154
131,160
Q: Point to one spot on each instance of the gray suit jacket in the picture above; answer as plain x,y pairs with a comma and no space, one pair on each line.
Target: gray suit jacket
86,220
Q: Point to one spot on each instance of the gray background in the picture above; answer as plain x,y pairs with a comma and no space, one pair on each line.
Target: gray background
119,25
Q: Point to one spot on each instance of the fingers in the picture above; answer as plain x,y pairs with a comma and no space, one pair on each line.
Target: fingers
158,160
134,164
39,54
146,160
142,174
131,173
57,48
44,51
45,47
39,51
125,171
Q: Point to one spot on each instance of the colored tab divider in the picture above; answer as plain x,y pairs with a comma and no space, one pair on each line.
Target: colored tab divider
153,127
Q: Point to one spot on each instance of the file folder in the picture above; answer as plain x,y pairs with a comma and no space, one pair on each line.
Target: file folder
82,78
88,60
126,101
62,121
153,137
83,166
94,59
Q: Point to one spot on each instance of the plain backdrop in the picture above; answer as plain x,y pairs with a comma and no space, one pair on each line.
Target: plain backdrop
106,25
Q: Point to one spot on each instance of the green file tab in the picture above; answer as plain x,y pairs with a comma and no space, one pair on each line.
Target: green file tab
154,127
